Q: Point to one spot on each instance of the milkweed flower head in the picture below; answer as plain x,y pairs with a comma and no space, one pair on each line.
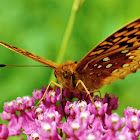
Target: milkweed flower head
84,120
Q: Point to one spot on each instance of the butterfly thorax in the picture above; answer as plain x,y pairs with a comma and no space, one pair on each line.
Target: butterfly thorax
67,76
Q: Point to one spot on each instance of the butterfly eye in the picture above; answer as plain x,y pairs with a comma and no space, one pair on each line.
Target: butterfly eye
65,74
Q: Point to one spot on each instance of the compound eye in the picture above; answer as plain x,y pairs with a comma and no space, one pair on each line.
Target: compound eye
65,74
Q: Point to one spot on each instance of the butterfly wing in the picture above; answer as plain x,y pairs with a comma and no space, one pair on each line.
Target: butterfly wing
30,55
114,58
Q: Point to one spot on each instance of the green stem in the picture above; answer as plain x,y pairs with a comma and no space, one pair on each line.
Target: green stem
76,6
67,34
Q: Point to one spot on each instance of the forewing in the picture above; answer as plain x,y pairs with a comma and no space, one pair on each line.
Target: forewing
30,55
114,58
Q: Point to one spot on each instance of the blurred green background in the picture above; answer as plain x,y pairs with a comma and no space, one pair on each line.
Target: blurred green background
38,26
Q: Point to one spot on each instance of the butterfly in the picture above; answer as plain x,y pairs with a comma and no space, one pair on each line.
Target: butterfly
113,59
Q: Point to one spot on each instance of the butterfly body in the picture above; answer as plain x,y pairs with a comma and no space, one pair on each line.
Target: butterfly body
114,58
68,77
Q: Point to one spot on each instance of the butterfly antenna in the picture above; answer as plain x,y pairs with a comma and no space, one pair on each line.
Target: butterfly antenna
3,65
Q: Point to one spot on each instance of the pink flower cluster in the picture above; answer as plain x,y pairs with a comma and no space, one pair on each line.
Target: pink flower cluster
84,120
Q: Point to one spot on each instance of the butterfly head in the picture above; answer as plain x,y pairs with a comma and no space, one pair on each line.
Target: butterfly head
64,73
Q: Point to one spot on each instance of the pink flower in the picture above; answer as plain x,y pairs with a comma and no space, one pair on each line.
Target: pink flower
114,122
6,116
9,107
4,132
37,94
23,103
25,121
50,116
30,101
14,128
89,135
47,130
73,128
98,125
53,96
129,112
20,104
99,108
133,122
85,120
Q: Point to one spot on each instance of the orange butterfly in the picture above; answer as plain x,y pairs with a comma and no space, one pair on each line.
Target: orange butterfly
113,59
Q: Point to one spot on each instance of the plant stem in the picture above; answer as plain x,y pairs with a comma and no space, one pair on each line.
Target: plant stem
76,6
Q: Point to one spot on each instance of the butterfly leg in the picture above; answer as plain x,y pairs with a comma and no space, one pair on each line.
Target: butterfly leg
81,82
52,82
